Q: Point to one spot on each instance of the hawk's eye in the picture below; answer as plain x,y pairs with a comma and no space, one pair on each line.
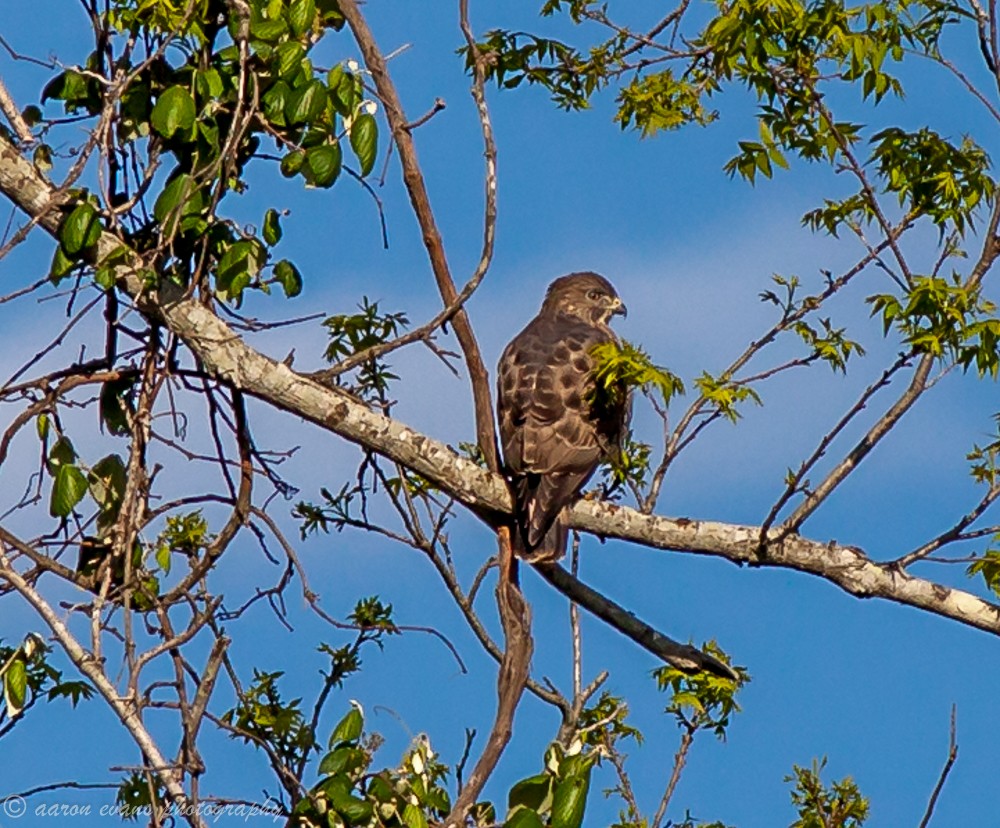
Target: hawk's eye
594,295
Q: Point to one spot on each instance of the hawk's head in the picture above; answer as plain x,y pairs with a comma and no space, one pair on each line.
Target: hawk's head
588,296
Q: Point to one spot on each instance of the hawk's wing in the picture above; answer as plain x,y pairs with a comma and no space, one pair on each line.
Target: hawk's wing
552,441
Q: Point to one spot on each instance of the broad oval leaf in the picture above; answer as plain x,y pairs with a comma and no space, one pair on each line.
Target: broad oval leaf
289,277
364,141
275,101
62,453
61,266
107,482
570,800
306,103
68,489
344,759
533,792
524,818
15,687
301,14
413,817
80,230
272,227
323,165
209,84
288,59
349,728
292,163
238,265
269,31
174,110
181,197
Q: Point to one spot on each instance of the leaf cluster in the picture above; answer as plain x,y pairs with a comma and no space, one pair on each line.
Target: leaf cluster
240,80
27,675
352,334
702,701
840,805
946,319
557,797
349,793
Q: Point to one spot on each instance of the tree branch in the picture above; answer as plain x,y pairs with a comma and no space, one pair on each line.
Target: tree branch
414,180
224,355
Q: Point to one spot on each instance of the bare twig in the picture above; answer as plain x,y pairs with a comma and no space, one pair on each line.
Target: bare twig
13,114
952,756
675,775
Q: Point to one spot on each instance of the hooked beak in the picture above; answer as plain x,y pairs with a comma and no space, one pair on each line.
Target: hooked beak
618,308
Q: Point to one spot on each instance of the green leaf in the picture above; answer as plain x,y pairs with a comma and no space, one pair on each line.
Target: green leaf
272,227
68,489
61,266
107,482
288,59
269,30
570,799
70,86
42,425
180,197
292,163
343,90
533,792
174,110
301,14
209,84
322,165
163,558
289,277
61,454
15,687
275,101
81,230
238,266
306,103
344,759
524,818
364,141
349,728
413,817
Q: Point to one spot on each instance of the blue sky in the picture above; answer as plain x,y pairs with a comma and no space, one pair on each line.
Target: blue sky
867,684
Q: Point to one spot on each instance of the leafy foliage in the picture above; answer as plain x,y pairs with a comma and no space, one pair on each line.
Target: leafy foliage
702,701
840,805
725,395
27,676
352,334
208,114
945,318
619,367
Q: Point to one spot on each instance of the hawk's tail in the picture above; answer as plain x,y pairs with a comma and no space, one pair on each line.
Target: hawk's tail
540,531
550,549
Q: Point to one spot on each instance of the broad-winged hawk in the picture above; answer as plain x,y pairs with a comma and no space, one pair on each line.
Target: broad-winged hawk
553,430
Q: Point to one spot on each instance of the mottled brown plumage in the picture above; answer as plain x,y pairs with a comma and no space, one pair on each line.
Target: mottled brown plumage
552,432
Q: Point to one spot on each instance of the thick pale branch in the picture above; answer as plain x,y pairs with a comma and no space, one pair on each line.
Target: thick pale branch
229,358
